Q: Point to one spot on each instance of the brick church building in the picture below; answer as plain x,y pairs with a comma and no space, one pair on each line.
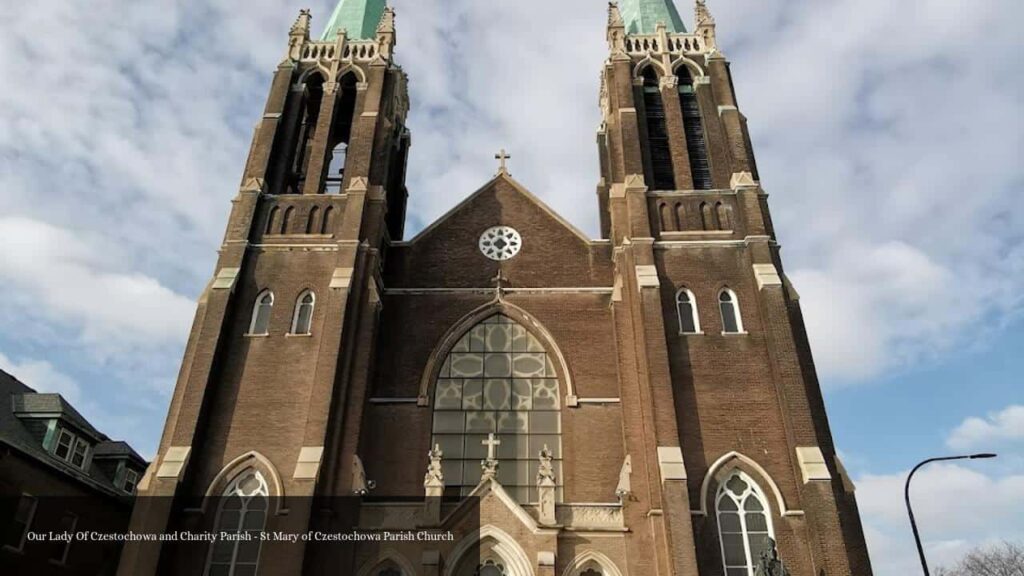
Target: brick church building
644,403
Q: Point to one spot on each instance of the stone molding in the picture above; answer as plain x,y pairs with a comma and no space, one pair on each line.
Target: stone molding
812,464
174,462
670,462
226,279
308,465
767,275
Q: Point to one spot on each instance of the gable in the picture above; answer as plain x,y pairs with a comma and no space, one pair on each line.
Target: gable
446,254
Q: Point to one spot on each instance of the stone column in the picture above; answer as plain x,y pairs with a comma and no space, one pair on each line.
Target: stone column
318,148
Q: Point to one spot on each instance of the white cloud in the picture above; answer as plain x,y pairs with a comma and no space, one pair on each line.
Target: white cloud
892,159
985,433
42,376
76,284
957,508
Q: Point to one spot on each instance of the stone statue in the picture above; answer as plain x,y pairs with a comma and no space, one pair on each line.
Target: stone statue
434,476
769,564
546,471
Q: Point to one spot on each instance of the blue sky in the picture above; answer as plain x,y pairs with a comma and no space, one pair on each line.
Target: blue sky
888,134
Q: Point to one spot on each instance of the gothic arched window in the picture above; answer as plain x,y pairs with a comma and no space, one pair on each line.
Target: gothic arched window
260,324
657,133
302,320
242,510
312,99
340,136
732,323
686,309
744,524
693,128
666,216
497,379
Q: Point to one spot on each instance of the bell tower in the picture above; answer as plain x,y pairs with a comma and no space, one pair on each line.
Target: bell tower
271,365
700,280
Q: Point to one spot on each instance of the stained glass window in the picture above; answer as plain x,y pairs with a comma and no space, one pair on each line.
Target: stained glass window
243,510
732,323
744,525
497,379
260,324
302,322
686,309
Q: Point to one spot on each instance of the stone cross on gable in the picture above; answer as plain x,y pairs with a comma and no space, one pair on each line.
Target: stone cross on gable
489,467
492,444
502,157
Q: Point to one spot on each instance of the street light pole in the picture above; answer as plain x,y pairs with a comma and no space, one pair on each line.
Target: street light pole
910,510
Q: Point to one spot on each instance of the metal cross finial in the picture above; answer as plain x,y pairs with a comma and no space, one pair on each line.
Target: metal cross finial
492,444
502,157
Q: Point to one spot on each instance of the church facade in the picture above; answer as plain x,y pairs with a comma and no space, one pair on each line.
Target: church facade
644,403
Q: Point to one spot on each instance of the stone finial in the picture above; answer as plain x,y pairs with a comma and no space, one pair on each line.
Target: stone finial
387,21
360,486
615,16
625,486
616,31
298,35
301,26
705,24
435,476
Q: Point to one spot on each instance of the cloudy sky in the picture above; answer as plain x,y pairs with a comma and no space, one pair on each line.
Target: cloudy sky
889,135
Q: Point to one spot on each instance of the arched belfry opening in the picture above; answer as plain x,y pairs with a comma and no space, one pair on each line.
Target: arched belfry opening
497,379
658,151
340,136
312,97
693,129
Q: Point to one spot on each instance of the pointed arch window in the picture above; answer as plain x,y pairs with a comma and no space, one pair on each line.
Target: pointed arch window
498,378
658,151
340,136
272,220
693,129
260,324
686,309
313,221
325,225
242,510
312,99
744,524
302,320
732,322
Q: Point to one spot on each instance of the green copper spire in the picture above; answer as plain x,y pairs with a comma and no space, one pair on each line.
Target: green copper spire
358,17
643,16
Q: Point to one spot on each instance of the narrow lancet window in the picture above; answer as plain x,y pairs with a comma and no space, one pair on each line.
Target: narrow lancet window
303,319
732,323
693,127
686,309
260,324
312,99
657,133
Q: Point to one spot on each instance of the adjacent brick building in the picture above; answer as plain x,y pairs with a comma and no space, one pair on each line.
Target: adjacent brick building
59,474
643,403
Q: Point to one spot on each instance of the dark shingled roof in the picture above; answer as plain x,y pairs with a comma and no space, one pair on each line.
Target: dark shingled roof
19,402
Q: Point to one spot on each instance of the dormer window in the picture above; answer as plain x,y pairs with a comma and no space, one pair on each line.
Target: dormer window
131,480
71,448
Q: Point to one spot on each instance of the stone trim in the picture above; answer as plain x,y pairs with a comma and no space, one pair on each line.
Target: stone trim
308,465
647,277
431,291
394,400
812,464
226,279
174,462
670,462
767,275
342,278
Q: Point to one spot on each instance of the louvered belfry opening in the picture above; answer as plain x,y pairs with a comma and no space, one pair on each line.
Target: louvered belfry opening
693,128
312,98
657,133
